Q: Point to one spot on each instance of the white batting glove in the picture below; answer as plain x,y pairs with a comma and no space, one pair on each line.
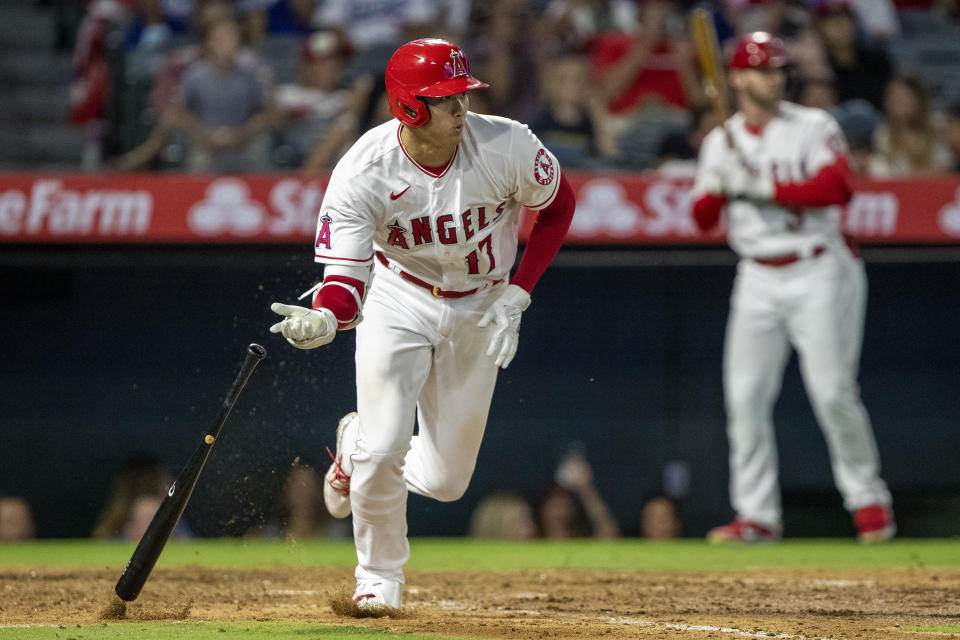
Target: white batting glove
741,184
505,314
305,328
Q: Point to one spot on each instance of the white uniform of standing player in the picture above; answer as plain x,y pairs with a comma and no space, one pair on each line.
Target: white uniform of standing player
798,284
441,315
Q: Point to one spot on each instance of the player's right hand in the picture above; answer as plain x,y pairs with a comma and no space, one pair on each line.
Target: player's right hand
305,328
740,184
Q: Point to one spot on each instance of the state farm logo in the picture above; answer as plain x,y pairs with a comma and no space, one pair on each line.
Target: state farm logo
604,208
872,214
949,217
49,208
227,207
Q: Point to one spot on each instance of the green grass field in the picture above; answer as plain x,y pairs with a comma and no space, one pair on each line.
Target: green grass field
451,554
457,553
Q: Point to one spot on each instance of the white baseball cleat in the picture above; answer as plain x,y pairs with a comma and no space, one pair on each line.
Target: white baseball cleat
378,593
336,486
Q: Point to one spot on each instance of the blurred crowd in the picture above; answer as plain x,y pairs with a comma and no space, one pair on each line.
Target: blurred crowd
571,506
567,505
261,85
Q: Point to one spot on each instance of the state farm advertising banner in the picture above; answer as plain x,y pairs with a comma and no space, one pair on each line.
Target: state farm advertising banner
612,208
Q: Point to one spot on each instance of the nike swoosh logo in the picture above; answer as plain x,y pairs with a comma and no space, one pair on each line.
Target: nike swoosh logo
172,488
394,196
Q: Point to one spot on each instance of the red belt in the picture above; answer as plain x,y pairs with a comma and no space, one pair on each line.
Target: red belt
436,291
788,258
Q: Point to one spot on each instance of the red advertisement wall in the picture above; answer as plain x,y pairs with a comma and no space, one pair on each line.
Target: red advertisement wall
612,208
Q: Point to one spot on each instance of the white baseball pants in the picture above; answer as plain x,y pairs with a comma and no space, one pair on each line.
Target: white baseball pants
818,306
419,358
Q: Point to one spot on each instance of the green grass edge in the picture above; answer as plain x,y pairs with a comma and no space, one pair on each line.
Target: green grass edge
466,554
275,630
937,628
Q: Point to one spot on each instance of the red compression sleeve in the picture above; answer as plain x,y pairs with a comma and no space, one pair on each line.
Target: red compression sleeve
706,210
830,186
546,237
340,300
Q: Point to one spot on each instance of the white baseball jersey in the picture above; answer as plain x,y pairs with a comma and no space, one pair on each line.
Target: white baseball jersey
793,147
813,303
456,230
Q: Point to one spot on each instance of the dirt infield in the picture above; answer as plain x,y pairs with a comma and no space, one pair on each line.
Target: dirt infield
530,604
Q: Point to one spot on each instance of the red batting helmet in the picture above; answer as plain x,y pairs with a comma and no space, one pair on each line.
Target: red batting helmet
431,68
759,50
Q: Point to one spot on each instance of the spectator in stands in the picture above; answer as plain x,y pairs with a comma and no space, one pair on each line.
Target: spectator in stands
291,17
858,119
909,142
166,81
90,82
304,514
785,18
677,152
859,71
503,516
788,19
124,513
819,92
375,28
660,519
569,26
653,65
571,123
746,16
504,53
861,154
165,141
318,116
877,18
223,110
141,513
156,21
377,109
300,513
953,134
572,507
452,19
16,520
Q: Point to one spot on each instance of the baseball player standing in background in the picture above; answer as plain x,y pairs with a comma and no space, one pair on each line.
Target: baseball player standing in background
781,172
418,229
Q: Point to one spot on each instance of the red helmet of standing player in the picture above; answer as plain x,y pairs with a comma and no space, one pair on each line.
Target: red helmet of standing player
759,50
429,68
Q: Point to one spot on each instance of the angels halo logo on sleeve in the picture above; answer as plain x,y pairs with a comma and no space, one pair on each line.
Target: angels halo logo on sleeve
323,234
543,167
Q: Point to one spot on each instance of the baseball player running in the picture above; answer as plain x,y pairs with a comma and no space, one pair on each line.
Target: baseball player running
782,181
418,229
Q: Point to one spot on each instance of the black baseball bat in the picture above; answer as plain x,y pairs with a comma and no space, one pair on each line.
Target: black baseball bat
141,563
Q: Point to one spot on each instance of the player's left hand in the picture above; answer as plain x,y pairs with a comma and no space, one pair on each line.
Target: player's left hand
304,328
505,314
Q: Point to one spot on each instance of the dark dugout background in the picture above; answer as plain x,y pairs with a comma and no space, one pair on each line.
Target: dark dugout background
115,351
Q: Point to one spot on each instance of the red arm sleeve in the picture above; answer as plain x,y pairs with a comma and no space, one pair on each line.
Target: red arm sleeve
706,210
546,237
340,299
830,186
